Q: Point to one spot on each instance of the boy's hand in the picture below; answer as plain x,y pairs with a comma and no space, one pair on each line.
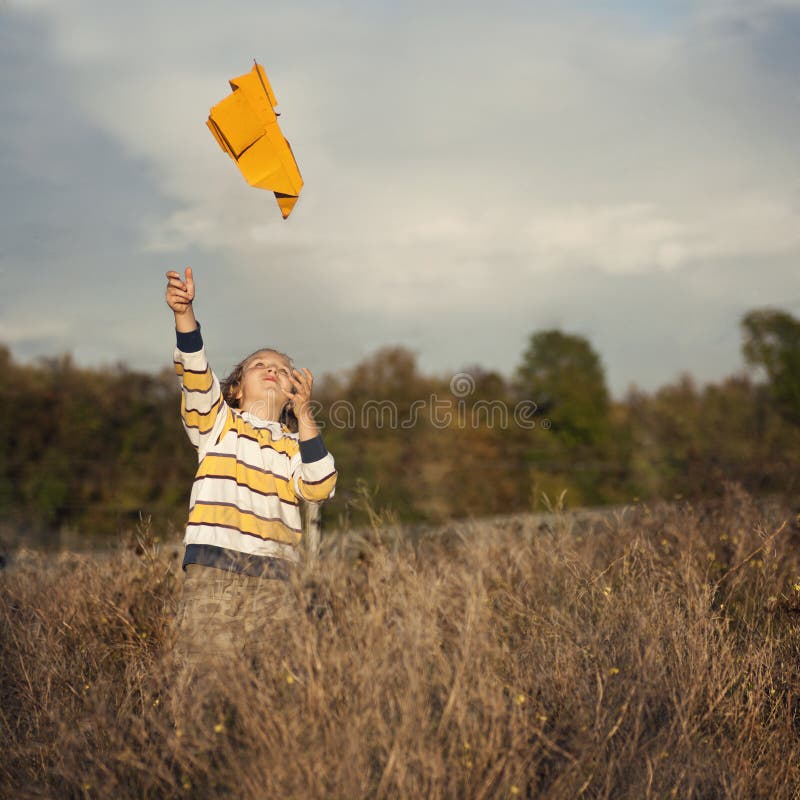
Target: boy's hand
180,292
302,381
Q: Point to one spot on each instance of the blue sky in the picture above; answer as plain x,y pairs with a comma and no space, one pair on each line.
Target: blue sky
474,173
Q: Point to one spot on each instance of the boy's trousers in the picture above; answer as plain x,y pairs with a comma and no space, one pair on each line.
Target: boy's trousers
226,620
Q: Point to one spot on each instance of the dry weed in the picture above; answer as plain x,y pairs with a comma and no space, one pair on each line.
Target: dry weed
650,653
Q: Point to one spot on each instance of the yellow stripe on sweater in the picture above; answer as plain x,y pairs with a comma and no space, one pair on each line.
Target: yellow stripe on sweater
243,521
194,381
285,445
318,491
257,480
203,421
227,426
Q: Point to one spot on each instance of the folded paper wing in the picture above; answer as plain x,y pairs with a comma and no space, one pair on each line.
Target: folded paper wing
246,127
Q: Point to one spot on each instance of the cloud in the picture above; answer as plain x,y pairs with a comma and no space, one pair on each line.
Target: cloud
401,116
455,158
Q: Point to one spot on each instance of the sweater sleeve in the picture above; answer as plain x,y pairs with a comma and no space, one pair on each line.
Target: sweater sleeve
313,471
203,411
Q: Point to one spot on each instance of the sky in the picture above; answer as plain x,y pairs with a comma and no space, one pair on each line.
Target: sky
474,173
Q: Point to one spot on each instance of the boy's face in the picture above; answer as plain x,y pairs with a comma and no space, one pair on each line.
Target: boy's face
263,377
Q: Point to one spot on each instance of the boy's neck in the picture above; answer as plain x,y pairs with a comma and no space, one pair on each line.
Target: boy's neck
262,410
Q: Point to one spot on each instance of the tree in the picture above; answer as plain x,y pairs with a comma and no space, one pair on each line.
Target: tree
772,342
563,375
574,448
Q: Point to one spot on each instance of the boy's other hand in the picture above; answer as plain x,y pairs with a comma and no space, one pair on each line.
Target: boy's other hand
180,291
300,397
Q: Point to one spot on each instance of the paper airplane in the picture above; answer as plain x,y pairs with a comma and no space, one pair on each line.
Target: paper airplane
246,126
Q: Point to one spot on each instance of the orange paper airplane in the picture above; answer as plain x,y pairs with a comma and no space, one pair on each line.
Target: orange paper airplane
246,127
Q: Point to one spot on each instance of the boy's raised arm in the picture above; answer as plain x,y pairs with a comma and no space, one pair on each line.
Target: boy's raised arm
201,397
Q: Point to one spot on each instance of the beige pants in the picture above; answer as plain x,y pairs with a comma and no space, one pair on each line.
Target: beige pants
226,619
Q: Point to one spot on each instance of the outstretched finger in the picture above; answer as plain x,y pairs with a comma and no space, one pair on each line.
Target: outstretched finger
305,375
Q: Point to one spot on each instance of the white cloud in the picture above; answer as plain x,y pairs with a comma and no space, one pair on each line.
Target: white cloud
452,154
618,145
20,327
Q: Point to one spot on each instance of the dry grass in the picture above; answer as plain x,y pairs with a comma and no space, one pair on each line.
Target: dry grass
649,654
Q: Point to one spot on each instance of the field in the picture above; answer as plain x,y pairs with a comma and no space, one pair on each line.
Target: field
652,652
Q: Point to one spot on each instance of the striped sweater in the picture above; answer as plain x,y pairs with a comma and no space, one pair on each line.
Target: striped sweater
244,510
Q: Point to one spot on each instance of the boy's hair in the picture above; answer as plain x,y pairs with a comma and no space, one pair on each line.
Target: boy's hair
231,385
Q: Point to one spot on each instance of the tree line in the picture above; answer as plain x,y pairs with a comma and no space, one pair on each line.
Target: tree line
86,452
